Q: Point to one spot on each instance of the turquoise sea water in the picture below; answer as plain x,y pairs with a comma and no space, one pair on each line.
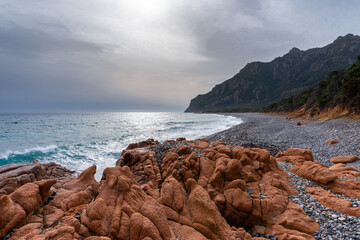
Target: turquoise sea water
79,140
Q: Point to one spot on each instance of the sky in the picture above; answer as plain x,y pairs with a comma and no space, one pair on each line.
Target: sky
148,55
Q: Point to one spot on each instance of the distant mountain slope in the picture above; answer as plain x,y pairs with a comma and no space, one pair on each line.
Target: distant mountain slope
259,84
341,90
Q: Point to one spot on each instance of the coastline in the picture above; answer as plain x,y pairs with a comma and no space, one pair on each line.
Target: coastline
79,140
218,172
275,133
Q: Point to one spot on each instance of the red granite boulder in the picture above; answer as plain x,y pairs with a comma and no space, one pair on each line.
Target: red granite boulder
306,154
344,159
13,176
123,210
143,144
20,204
70,194
314,171
143,164
342,170
329,200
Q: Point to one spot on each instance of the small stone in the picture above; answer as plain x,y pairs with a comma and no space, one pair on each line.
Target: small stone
331,142
342,219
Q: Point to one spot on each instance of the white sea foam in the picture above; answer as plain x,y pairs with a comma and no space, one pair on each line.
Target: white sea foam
43,150
73,141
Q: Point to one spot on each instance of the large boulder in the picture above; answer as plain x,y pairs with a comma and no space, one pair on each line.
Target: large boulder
13,176
315,171
70,194
147,143
20,204
122,210
306,154
143,164
344,159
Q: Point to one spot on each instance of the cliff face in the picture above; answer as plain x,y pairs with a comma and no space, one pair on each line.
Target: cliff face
259,84
335,96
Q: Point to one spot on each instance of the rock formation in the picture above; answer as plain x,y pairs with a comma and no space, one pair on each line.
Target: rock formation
14,175
331,178
194,190
329,200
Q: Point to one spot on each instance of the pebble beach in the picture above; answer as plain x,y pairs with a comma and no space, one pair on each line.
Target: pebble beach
275,133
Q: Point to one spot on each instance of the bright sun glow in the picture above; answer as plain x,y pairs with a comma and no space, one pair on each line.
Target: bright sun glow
148,9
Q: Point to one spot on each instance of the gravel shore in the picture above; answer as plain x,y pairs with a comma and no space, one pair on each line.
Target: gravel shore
275,134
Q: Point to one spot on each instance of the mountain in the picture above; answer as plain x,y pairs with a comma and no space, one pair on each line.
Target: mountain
259,84
341,90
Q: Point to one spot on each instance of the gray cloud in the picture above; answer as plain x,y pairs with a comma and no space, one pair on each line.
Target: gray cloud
148,55
23,40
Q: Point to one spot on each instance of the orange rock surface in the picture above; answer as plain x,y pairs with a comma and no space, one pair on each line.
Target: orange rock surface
344,159
13,176
197,190
329,200
328,177
331,142
342,170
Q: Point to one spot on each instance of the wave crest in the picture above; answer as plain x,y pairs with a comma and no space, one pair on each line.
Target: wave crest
29,151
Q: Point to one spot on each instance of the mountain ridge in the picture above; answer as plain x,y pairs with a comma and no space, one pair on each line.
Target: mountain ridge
261,83
338,95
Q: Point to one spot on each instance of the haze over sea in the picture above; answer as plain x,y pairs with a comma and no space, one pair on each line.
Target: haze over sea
79,140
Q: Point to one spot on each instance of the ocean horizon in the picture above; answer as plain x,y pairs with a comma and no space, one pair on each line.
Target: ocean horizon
80,140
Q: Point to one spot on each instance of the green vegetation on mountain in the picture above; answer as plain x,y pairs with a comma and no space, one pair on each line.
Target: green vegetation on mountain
259,84
341,88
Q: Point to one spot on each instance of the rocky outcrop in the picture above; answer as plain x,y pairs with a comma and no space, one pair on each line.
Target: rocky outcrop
13,176
235,186
143,164
147,143
305,166
20,204
72,194
330,200
315,171
327,177
342,170
195,190
122,210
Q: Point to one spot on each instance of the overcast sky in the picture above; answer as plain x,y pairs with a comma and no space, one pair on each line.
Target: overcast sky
148,55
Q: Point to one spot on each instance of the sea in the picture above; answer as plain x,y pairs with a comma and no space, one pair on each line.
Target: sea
80,140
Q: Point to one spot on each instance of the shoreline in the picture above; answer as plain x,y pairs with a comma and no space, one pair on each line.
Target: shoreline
219,172
276,134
